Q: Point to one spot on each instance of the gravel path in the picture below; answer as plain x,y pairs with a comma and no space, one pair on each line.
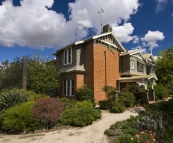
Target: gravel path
90,134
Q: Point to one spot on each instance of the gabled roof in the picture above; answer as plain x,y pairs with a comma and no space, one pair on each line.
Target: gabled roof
149,58
95,37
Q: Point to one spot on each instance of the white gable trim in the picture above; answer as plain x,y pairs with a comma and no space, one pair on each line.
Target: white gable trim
108,43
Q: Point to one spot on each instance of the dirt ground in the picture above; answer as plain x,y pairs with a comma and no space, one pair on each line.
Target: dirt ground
90,134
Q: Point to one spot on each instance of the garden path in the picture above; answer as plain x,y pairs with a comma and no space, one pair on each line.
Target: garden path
90,134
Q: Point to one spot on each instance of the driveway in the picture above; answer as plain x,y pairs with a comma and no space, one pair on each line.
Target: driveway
90,134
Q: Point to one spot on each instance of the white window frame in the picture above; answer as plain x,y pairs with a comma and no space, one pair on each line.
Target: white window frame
67,55
132,65
67,89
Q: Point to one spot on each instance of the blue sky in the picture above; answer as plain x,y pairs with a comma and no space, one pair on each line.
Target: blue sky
43,26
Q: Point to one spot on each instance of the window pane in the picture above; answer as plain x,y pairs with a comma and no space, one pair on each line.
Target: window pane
68,87
65,56
65,87
72,88
69,55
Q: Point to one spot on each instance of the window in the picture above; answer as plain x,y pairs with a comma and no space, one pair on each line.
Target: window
69,87
68,56
132,65
140,67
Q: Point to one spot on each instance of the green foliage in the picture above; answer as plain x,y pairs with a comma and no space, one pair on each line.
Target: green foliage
11,98
109,132
126,98
164,71
42,75
139,93
160,91
11,74
84,103
80,117
85,93
19,118
109,90
117,108
66,102
104,104
47,111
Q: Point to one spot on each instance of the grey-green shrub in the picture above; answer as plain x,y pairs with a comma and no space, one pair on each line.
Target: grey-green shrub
19,118
11,98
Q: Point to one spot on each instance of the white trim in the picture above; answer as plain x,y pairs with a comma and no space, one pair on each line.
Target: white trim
108,43
152,77
78,42
104,34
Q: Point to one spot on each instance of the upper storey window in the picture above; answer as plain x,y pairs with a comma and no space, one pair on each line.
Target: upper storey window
68,56
140,67
132,64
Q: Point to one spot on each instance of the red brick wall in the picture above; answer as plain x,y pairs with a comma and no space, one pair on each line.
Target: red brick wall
79,80
102,78
89,65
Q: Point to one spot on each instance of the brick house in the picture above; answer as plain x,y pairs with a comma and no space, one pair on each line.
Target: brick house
97,61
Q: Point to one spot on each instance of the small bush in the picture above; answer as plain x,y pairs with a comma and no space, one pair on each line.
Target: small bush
19,118
126,98
104,104
109,132
47,111
11,98
160,91
84,103
85,93
79,116
117,108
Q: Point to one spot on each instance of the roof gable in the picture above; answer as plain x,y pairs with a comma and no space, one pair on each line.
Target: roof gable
137,54
103,38
149,58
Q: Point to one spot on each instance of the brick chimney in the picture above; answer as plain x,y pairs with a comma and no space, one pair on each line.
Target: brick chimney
106,28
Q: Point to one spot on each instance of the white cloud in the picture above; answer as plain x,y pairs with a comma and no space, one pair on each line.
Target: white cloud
151,38
123,33
136,40
31,24
161,5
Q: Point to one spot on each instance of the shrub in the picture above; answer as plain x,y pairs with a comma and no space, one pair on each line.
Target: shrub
11,98
66,102
109,132
85,93
117,108
138,91
32,96
19,118
104,104
126,98
79,116
160,91
84,103
47,111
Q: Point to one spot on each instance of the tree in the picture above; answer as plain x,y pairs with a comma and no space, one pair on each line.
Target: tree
165,69
42,75
11,74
